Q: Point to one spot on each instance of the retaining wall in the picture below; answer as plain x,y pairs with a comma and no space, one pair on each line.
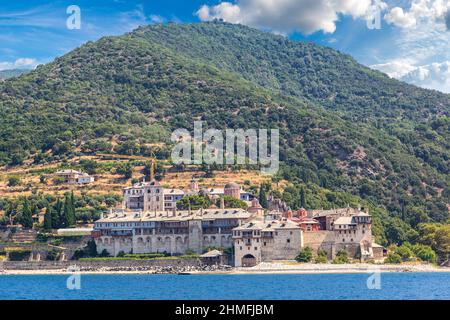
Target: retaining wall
56,265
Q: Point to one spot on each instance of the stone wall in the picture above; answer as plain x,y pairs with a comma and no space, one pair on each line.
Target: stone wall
95,265
323,240
171,243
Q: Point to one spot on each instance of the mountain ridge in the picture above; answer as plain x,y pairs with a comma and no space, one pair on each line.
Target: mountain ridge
134,89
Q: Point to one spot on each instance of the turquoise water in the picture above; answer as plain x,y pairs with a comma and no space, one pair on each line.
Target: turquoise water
222,287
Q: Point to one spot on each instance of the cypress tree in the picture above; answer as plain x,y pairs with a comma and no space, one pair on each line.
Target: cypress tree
56,215
27,218
48,218
69,218
72,207
263,196
302,197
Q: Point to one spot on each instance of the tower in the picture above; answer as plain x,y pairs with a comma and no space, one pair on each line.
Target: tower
193,185
233,190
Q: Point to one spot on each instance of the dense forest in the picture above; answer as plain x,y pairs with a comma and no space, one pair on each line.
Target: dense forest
348,134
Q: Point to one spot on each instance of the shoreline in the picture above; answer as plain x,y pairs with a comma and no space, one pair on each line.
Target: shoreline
263,268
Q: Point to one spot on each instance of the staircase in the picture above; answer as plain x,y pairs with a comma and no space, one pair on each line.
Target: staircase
24,236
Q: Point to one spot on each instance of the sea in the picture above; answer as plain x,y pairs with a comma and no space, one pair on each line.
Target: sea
391,286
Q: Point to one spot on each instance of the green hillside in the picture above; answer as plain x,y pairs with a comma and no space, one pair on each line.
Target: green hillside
6,74
349,134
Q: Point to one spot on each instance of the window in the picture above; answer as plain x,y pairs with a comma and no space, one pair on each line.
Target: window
256,248
343,240
265,243
288,240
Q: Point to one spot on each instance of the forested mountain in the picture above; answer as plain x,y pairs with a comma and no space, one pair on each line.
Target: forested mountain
348,132
6,74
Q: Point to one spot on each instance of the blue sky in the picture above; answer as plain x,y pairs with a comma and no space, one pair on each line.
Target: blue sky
412,44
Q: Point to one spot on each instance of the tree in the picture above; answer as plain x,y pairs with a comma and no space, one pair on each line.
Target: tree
104,253
57,220
305,255
52,255
13,181
126,169
231,202
302,197
194,202
48,218
424,253
91,248
68,212
437,236
26,219
404,252
88,165
263,196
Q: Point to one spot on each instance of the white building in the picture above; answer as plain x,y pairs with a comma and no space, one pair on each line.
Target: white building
163,231
75,177
145,196
171,197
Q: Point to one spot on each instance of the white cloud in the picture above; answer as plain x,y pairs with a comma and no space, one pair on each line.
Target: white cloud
432,76
395,68
286,16
399,18
429,10
21,63
157,19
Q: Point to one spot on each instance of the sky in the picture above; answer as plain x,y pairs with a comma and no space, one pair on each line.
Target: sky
407,39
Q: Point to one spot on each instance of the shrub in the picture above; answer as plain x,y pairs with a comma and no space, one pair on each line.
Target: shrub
19,255
305,255
52,255
393,258
404,252
13,181
322,257
341,257
424,253
104,253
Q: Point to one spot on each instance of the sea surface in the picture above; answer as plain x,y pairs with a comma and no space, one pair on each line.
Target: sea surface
409,286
